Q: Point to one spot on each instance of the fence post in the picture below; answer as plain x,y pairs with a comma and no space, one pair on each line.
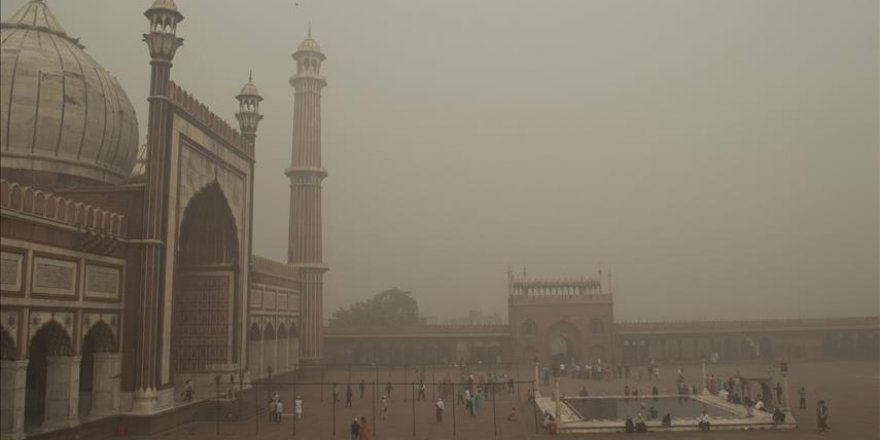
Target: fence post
535,403
294,405
217,404
256,408
413,388
494,414
374,402
334,407
454,401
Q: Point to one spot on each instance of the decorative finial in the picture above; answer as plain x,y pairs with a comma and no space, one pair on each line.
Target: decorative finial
310,29
250,76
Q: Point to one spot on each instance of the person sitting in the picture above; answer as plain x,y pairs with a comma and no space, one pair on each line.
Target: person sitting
584,392
513,417
640,423
778,415
548,419
759,405
703,421
629,426
667,421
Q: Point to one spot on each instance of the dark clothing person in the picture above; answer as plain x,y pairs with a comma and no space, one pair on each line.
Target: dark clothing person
348,394
822,417
355,430
803,395
778,393
667,421
629,426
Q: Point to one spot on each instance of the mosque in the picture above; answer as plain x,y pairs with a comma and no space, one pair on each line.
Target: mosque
129,270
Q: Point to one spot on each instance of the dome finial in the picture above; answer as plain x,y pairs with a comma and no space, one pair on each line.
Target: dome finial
250,76
310,29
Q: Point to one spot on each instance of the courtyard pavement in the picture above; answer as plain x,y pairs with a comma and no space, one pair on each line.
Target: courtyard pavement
852,390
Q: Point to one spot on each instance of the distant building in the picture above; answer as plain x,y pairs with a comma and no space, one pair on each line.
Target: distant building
476,317
555,320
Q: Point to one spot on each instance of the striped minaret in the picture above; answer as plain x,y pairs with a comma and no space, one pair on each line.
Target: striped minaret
306,174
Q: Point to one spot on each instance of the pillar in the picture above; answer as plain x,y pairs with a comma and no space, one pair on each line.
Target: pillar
105,384
62,391
13,380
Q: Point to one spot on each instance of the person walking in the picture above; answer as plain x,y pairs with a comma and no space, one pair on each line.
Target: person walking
802,393
822,417
273,407
422,391
388,389
188,390
439,406
366,432
384,407
298,407
279,411
779,393
348,394
355,429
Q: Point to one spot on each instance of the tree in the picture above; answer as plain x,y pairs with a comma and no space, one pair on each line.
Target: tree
393,307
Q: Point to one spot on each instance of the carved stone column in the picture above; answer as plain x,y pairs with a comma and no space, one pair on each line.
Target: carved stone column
105,384
62,391
13,379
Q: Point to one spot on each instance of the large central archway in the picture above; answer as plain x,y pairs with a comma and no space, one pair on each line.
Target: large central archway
563,342
205,298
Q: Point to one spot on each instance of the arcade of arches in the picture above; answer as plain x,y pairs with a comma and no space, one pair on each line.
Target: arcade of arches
60,381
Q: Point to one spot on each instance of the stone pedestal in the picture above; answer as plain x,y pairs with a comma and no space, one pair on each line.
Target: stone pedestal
13,380
105,384
62,391
145,401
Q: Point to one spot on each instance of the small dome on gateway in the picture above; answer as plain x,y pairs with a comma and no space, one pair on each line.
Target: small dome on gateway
309,45
164,4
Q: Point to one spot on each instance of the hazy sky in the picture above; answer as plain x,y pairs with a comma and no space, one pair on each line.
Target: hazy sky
719,157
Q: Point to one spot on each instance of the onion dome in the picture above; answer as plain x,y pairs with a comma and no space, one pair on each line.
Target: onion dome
62,114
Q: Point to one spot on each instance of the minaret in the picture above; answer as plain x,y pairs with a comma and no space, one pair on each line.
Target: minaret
249,118
306,175
248,115
162,42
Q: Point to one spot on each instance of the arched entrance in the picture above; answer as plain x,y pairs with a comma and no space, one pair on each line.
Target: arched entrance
255,351
563,342
282,348
7,346
204,293
99,339
50,340
269,351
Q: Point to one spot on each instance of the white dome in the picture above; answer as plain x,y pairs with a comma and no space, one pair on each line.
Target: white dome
61,112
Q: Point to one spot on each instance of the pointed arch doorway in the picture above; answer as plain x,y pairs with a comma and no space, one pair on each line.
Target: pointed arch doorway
205,299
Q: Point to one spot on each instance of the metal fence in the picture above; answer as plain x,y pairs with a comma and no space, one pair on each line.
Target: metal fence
333,390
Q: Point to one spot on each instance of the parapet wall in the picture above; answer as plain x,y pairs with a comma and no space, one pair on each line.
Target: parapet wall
201,113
